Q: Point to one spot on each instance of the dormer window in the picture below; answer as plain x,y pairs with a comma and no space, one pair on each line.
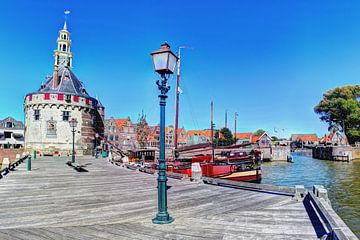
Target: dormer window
9,125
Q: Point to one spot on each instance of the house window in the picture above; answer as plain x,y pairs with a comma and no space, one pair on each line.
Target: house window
7,135
116,138
37,114
66,115
9,125
111,137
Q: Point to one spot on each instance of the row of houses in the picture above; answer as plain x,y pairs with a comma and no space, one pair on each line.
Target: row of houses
122,133
334,138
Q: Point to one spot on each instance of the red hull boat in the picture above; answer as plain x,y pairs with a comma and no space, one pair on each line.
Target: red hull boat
236,169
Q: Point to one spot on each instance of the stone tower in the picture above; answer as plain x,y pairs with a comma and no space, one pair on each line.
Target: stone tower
61,98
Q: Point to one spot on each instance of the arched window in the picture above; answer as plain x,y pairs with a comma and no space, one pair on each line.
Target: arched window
64,48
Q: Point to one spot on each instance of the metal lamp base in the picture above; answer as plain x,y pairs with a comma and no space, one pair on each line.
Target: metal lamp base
162,220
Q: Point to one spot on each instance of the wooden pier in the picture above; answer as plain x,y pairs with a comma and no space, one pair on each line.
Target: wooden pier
105,201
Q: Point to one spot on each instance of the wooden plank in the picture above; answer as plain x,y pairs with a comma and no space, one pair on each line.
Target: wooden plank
111,202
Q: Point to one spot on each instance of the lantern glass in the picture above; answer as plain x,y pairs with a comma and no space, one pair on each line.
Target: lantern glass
73,123
172,62
161,61
164,60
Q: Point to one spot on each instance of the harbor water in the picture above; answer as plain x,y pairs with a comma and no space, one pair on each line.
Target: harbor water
341,179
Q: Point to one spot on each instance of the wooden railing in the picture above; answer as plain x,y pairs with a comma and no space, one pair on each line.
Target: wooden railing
250,186
324,210
153,171
12,166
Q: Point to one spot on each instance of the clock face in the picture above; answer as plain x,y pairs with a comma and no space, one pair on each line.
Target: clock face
63,60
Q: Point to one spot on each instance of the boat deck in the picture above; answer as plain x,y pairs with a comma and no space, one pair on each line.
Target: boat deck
53,201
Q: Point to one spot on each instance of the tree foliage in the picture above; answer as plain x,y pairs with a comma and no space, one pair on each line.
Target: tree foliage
340,108
142,131
259,132
274,138
226,137
226,133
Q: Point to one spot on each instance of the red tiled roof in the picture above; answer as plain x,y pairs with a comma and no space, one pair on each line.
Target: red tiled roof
121,122
327,138
244,135
202,133
308,137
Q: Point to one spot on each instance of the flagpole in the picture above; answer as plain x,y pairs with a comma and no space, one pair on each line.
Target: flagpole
177,102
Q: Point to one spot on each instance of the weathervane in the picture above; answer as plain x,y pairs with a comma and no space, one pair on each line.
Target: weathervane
66,13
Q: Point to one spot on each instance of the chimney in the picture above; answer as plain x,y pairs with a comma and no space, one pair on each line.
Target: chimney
55,78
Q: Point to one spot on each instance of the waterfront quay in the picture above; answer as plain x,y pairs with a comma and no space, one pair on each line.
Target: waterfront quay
106,201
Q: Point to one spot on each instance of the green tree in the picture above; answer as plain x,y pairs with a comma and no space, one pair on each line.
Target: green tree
227,137
226,133
340,108
142,131
259,132
274,138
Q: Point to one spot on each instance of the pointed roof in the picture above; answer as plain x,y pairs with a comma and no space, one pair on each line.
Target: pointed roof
68,84
121,122
65,26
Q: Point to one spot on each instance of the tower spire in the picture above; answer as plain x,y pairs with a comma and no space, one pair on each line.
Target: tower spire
62,55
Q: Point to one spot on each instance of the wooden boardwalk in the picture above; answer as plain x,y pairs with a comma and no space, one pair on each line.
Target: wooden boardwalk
54,201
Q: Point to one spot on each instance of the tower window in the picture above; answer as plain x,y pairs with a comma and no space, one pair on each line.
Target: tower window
66,115
64,47
68,98
37,114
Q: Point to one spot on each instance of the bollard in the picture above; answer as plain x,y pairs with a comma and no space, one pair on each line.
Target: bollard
196,172
300,192
34,154
29,163
5,163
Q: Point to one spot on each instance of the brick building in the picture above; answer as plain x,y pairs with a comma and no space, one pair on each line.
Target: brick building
121,132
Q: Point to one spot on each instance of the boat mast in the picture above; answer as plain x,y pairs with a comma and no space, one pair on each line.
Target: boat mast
235,116
212,132
177,102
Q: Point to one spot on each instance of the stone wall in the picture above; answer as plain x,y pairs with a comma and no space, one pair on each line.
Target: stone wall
59,141
335,153
280,153
356,152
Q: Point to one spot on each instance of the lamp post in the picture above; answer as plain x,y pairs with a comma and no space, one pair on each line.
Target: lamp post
96,144
73,123
164,64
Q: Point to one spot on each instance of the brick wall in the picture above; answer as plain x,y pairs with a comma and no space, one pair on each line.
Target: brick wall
10,153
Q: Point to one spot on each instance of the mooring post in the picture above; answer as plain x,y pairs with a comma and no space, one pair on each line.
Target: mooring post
300,192
29,163
34,154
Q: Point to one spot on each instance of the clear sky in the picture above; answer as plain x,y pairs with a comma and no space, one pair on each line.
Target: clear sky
270,61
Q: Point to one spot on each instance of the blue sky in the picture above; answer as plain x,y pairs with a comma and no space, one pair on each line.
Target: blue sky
270,61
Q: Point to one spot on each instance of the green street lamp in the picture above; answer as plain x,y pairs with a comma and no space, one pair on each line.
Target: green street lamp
164,64
73,123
